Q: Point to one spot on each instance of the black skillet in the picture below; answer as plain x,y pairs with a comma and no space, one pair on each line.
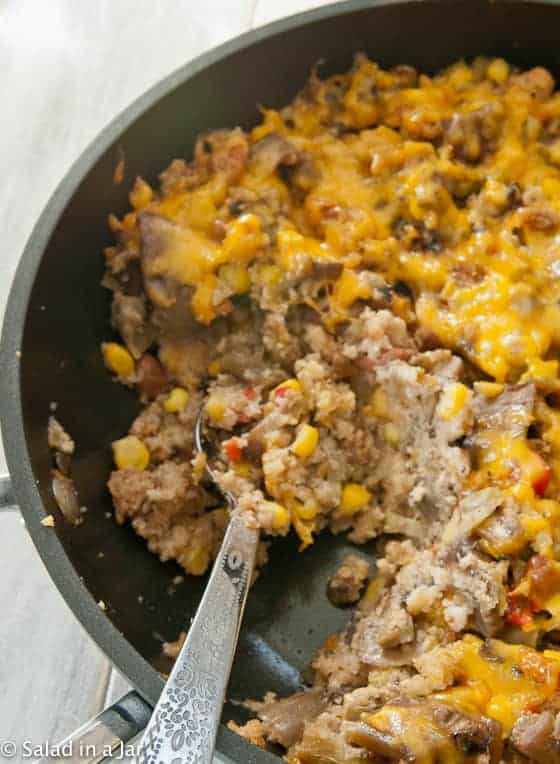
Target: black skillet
57,315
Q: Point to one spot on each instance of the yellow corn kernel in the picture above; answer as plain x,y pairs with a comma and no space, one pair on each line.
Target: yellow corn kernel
498,71
354,497
452,400
214,367
291,384
215,408
280,517
489,389
196,561
391,434
176,400
130,453
306,441
117,359
236,277
141,194
305,511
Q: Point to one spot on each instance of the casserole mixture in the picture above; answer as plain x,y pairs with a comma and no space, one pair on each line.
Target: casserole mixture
366,289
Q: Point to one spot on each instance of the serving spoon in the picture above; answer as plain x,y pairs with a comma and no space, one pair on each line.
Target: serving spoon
185,721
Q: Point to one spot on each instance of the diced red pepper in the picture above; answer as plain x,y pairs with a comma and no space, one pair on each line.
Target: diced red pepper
519,611
250,393
540,483
232,450
280,392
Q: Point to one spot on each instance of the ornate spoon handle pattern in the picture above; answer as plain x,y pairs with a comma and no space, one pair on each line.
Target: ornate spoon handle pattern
185,722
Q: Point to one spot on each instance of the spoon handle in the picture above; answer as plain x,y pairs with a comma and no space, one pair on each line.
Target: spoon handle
185,722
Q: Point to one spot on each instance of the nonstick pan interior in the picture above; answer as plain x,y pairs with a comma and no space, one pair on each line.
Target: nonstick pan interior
58,315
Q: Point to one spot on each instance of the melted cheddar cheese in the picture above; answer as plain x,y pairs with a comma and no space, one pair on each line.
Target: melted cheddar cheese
489,679
487,289
443,191
500,680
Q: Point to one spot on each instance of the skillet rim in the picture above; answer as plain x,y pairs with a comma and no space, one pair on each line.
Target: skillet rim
141,674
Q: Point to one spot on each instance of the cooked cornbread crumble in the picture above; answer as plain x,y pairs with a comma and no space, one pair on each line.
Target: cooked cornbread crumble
364,292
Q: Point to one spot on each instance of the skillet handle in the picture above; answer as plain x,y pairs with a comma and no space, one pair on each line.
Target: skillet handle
7,498
107,734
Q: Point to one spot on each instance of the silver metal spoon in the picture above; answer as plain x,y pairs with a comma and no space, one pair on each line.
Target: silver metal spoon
185,721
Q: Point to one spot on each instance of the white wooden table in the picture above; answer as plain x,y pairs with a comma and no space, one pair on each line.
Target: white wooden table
67,67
